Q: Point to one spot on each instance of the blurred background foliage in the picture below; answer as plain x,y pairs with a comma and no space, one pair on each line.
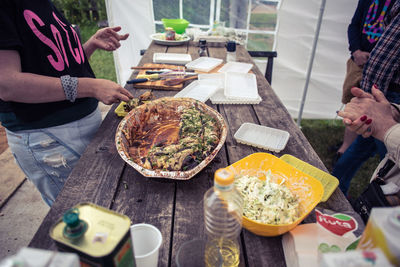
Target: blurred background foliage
88,15
82,11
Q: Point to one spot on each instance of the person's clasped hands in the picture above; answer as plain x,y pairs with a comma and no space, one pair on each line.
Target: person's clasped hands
369,114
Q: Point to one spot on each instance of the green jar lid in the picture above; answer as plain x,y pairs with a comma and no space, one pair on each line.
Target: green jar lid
74,228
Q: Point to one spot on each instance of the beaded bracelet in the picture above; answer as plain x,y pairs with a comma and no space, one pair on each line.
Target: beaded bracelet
70,86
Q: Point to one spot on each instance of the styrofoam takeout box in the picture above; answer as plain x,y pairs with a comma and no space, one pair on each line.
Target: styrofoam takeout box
217,78
262,136
171,58
204,64
219,97
241,86
199,90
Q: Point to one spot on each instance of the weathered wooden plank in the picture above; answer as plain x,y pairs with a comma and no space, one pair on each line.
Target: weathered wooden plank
189,219
3,139
148,200
11,176
259,251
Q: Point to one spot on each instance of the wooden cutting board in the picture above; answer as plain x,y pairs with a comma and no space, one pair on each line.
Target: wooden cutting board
158,84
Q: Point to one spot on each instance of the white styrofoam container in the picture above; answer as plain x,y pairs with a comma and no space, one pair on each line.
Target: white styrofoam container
199,90
241,86
219,98
204,63
218,78
262,136
234,66
171,58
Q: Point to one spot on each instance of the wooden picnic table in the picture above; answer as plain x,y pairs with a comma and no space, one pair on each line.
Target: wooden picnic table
175,207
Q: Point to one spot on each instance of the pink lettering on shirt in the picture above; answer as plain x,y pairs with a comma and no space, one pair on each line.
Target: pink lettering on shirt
57,47
30,17
78,41
74,51
59,41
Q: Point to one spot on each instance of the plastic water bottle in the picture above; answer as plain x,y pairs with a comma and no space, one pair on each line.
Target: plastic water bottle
223,209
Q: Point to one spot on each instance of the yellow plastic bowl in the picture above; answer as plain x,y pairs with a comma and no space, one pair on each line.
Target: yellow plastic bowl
179,25
308,189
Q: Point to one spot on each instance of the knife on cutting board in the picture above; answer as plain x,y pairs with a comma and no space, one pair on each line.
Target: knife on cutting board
142,80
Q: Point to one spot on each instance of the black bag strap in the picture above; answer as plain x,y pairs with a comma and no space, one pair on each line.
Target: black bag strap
380,176
373,195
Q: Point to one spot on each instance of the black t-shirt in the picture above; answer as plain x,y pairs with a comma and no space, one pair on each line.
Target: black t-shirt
47,45
357,38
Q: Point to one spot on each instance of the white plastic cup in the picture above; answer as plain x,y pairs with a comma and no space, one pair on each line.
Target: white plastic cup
146,241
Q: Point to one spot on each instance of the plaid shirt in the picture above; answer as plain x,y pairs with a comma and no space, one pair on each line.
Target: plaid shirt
383,65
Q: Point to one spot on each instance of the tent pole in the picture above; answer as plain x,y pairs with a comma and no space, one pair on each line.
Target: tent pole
310,64
218,11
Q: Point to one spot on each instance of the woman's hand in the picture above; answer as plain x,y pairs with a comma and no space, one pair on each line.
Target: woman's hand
360,57
105,91
368,114
107,39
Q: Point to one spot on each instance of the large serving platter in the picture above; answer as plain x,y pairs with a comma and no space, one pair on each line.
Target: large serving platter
124,132
159,39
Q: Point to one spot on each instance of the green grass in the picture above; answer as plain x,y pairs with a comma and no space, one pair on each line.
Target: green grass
325,134
322,134
260,42
101,61
263,21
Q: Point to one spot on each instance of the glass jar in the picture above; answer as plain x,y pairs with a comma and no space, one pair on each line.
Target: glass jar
230,51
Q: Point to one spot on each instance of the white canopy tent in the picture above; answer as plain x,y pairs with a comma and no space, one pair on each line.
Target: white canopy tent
298,22
136,18
296,32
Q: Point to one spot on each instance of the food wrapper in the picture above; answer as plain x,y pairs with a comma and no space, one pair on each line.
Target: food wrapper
383,232
355,258
336,232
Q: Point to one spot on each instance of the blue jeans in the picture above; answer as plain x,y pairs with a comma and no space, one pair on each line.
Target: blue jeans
352,159
47,156
358,152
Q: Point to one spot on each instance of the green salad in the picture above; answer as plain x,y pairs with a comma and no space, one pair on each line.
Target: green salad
267,202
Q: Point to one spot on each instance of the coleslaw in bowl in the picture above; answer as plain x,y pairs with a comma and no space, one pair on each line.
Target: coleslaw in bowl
273,171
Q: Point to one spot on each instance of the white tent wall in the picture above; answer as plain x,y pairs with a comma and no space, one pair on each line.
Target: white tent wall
297,24
136,18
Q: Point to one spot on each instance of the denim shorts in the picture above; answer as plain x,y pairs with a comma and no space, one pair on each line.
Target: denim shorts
47,156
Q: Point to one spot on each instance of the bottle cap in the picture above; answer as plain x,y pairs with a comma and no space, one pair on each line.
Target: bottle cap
202,42
75,227
71,218
223,177
231,46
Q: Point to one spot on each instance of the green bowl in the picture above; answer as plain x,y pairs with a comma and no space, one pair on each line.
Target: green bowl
179,25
